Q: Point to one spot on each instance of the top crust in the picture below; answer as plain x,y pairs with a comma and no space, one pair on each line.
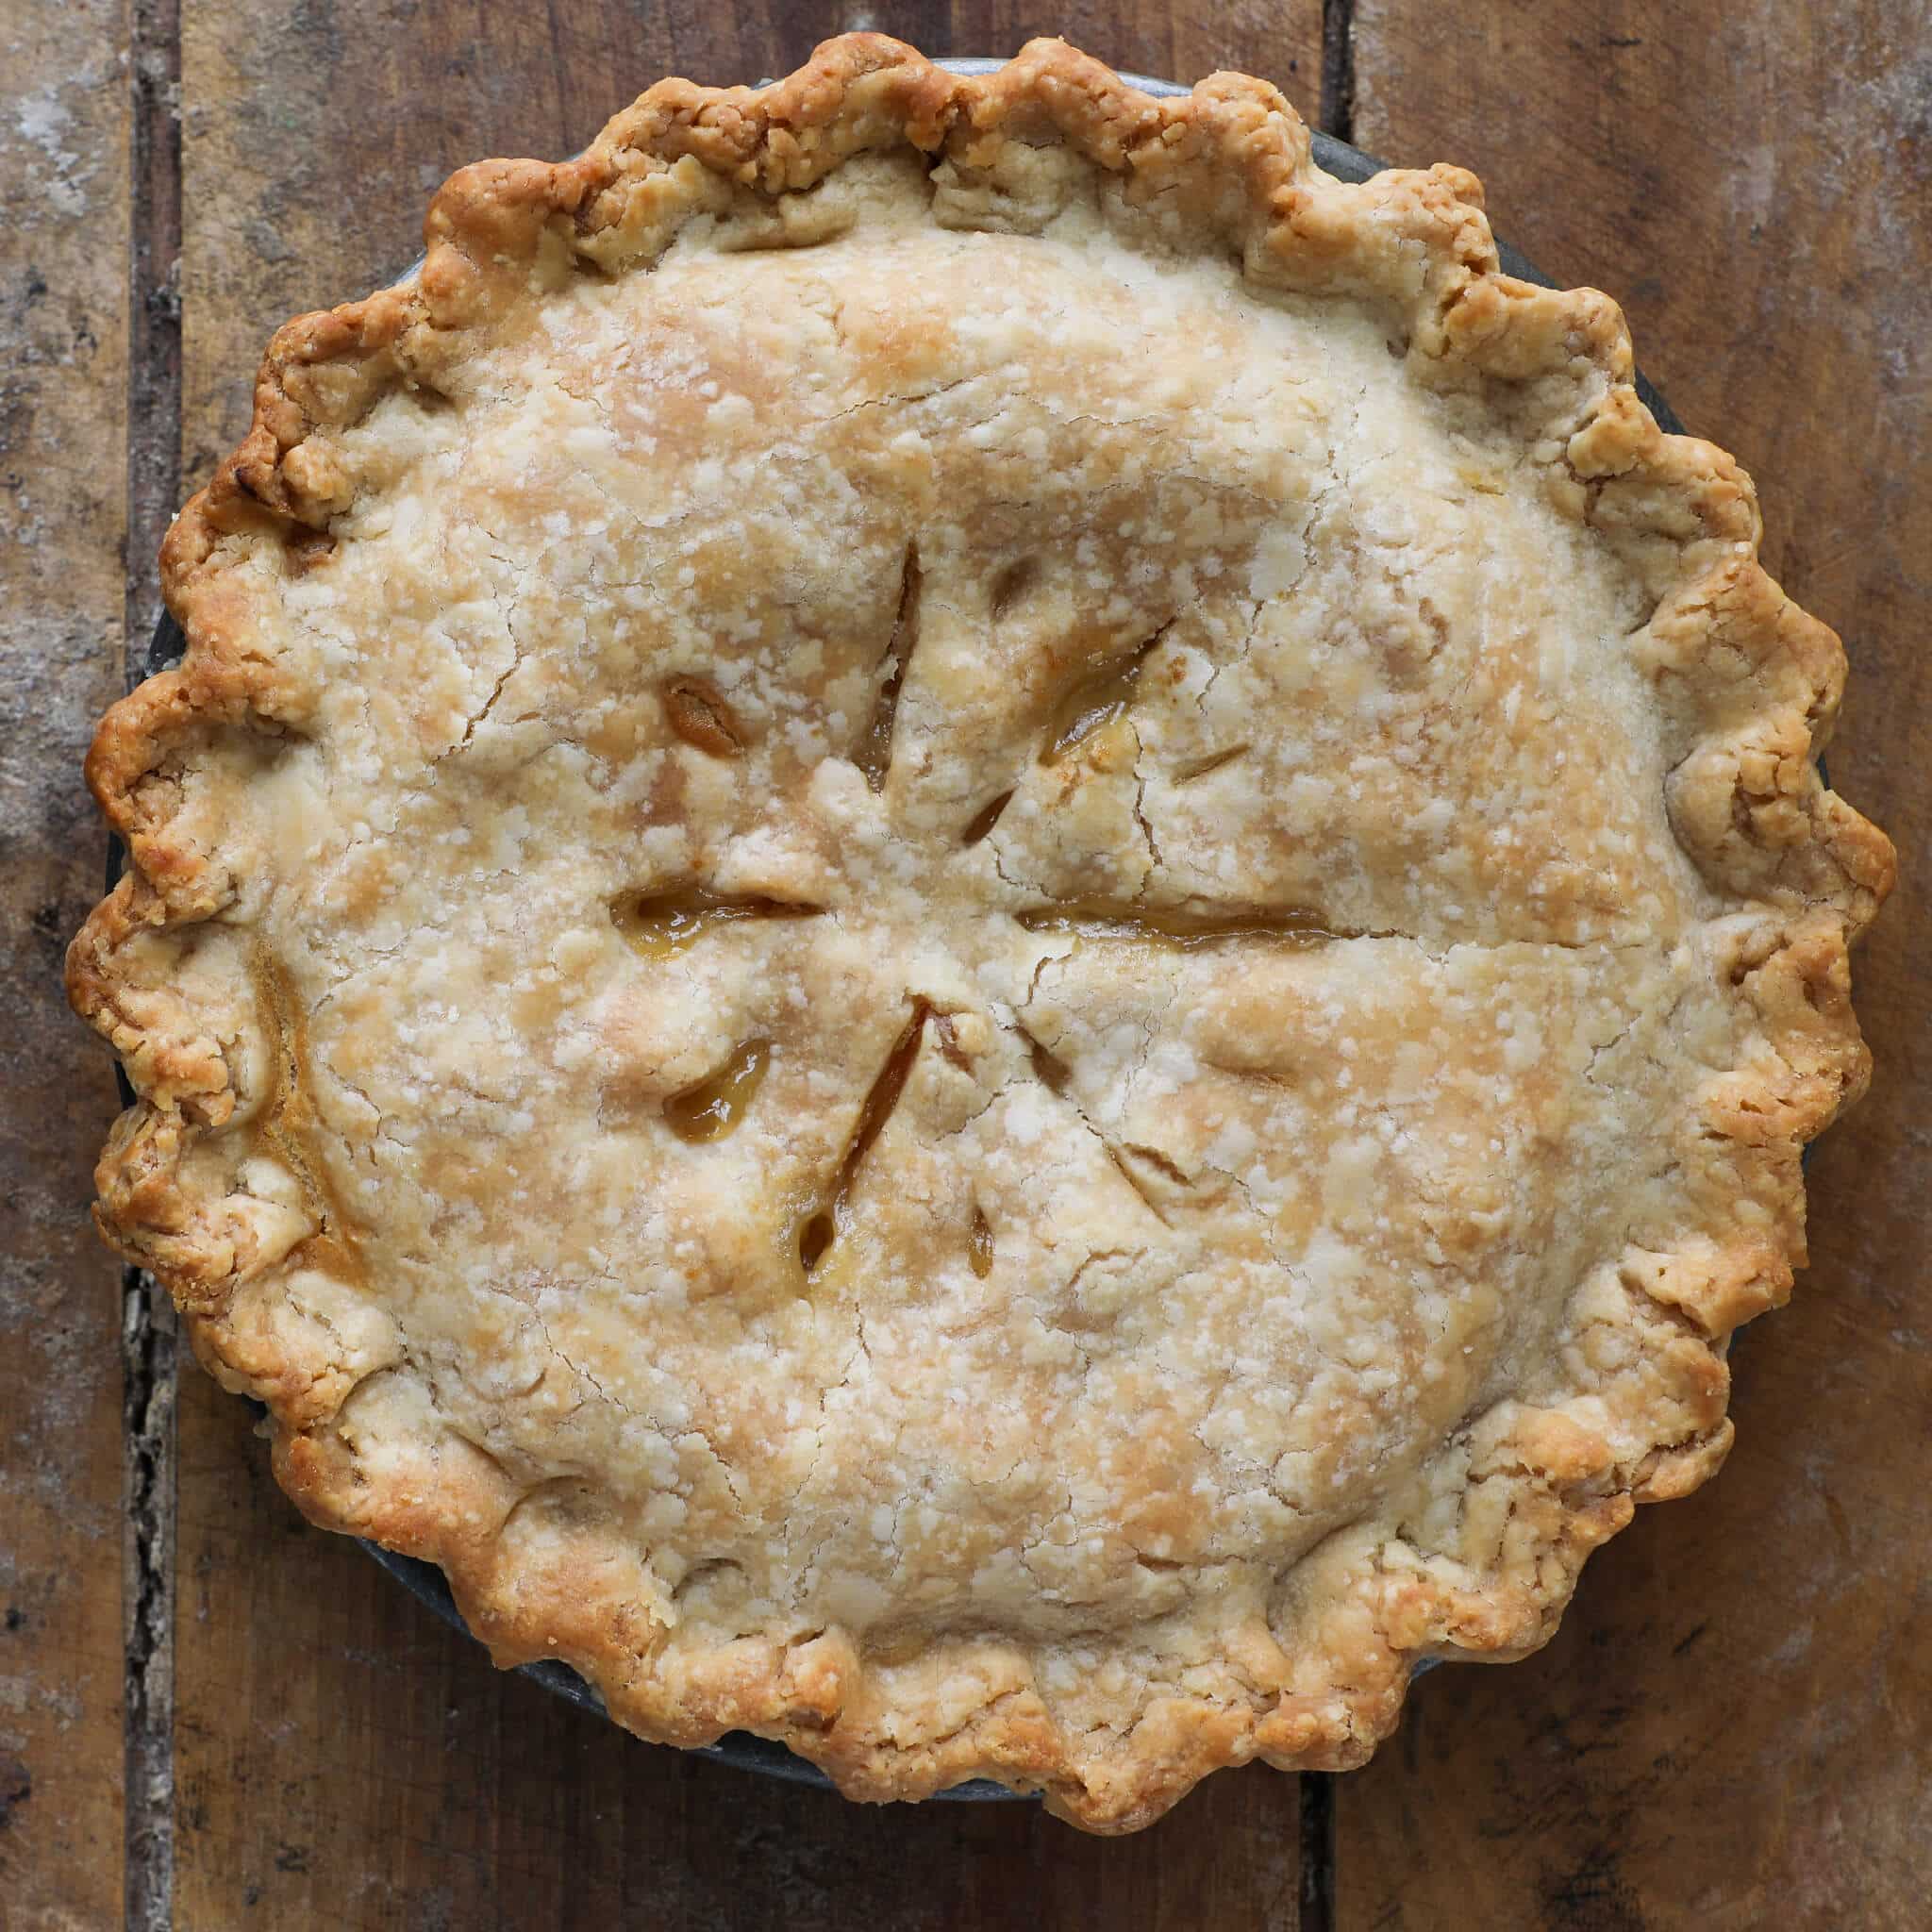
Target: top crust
1642,874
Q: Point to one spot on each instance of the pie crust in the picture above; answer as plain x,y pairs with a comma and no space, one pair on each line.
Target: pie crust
974,928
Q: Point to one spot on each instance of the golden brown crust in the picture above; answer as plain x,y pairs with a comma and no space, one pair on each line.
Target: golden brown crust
1479,1553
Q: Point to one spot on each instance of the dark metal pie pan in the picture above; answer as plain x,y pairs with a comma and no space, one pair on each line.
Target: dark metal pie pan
425,1581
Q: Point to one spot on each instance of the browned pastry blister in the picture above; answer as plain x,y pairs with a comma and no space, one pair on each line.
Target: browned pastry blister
976,928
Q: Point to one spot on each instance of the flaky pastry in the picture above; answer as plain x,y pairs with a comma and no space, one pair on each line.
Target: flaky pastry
974,928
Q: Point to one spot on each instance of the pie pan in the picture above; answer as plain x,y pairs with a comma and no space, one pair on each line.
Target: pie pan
426,1582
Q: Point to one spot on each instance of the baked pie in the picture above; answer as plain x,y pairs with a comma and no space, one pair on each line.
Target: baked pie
974,928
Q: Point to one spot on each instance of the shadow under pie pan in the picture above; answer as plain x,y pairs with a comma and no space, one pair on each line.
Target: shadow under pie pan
425,1581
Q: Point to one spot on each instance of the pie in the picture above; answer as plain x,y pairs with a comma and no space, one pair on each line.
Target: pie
977,930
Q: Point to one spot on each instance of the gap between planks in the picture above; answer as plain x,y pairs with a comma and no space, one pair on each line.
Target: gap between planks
1337,112
149,1331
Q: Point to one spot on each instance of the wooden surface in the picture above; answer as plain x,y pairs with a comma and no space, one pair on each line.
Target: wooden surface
1731,1729
63,384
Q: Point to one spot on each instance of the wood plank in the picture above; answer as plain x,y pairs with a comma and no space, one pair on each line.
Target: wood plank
62,383
1731,1730
340,1759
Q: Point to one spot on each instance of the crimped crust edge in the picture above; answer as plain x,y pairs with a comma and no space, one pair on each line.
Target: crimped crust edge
1754,681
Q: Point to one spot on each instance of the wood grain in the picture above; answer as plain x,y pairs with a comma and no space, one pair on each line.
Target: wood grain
341,1760
63,382
1731,1730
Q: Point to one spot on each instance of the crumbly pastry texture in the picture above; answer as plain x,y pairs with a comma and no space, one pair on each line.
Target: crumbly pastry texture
974,928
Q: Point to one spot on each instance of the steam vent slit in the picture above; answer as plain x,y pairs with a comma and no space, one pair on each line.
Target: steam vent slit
1095,701
700,714
1104,920
980,1244
824,1227
985,819
876,751
657,926
714,1105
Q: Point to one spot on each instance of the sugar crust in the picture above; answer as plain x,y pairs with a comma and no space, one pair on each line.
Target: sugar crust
1354,1090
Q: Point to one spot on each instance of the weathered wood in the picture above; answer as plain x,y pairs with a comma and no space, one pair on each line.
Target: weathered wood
1731,1730
342,1759
62,376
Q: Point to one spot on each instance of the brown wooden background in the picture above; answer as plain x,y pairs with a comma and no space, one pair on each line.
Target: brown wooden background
212,1717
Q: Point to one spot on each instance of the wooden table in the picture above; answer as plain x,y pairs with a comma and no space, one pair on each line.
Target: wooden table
214,1717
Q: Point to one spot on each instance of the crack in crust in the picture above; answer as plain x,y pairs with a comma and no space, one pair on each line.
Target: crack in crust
1745,684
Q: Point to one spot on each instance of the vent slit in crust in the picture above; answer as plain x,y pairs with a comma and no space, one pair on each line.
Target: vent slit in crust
716,1105
985,819
700,714
876,749
827,1221
1095,700
1182,928
657,926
